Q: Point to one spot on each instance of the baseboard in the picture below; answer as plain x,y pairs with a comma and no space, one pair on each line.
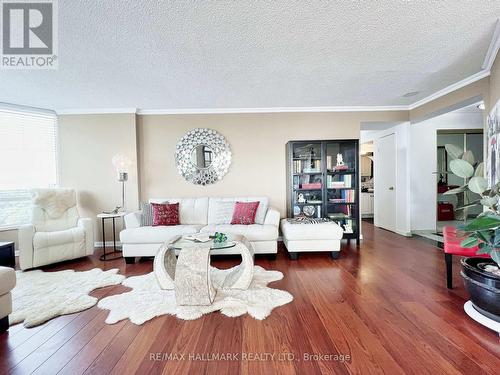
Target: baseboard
108,243
406,234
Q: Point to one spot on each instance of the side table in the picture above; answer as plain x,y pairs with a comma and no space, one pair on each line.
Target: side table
104,217
7,254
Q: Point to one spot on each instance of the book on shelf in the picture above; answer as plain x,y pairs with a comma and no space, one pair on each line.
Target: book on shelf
329,162
341,167
338,215
345,182
311,186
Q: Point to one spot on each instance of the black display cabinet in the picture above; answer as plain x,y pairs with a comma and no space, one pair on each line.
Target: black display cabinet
323,182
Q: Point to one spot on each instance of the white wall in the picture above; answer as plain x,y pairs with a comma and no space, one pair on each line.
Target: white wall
402,132
423,163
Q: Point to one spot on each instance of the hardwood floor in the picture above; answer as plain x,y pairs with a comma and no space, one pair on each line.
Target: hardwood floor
384,307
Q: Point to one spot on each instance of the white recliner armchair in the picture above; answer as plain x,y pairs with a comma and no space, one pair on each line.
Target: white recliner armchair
56,232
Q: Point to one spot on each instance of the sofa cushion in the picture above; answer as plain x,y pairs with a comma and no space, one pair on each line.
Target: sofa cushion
7,280
244,213
253,232
261,210
160,234
147,214
320,231
165,214
192,211
223,212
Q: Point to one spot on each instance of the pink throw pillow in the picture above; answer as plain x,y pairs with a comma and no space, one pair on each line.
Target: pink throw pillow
165,214
244,213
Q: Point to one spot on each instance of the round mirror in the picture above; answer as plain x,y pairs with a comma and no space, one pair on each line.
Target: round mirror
202,156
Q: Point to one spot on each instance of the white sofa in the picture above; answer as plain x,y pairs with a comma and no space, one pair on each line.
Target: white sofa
57,232
198,215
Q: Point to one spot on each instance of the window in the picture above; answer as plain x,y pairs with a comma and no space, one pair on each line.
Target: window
28,159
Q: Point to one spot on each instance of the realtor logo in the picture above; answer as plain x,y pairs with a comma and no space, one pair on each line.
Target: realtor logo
29,34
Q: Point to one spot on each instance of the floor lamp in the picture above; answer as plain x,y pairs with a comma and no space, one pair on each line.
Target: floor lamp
122,164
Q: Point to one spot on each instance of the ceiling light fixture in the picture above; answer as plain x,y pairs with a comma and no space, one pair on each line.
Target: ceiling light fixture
410,94
481,106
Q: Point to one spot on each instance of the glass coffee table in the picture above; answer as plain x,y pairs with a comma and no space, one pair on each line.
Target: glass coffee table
189,273
181,242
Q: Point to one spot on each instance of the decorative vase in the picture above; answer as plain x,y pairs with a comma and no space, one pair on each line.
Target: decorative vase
482,286
219,238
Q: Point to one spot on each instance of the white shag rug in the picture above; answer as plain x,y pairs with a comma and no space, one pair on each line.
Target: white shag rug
40,296
147,300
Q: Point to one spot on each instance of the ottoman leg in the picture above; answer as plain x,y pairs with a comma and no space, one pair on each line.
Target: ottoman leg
335,254
4,324
294,256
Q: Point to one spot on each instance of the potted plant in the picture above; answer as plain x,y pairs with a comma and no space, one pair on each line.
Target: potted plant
481,276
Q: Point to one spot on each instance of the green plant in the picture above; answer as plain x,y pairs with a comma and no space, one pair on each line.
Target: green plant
464,165
484,230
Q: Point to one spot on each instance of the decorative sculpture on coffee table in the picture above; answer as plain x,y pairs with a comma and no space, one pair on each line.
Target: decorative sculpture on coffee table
193,286
189,274
203,156
164,267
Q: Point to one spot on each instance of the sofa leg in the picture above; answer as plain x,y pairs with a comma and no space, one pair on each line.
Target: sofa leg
271,256
293,256
4,324
335,254
129,260
449,270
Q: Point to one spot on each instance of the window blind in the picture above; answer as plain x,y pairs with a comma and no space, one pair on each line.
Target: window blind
28,159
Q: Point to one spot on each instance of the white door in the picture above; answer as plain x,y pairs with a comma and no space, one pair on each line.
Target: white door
385,182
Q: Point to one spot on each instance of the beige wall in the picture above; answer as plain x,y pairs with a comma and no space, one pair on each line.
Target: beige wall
87,145
257,143
9,236
479,88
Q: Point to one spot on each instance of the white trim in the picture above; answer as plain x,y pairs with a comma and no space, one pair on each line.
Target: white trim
6,228
194,111
98,244
458,85
26,109
270,110
95,111
491,54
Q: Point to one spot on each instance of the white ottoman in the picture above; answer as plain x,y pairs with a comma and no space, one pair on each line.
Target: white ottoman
7,283
301,237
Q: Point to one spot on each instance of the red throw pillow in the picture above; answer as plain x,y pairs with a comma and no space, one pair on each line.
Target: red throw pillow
244,213
165,214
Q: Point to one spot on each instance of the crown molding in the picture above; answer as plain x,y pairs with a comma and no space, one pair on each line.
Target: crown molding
95,111
24,108
195,111
492,52
458,85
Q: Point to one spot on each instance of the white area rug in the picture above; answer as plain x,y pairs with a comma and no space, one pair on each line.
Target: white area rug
40,296
147,300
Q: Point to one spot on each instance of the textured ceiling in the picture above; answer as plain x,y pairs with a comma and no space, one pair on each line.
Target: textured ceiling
255,54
